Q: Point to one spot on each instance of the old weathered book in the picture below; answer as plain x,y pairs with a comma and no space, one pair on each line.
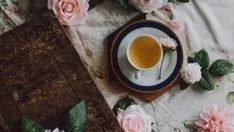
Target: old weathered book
42,77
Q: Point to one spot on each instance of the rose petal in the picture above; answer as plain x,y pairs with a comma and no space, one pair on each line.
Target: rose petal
200,123
50,4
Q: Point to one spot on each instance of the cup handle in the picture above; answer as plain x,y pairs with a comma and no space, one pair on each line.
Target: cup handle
138,74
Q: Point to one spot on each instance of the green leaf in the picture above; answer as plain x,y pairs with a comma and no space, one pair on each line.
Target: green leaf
183,1
183,85
221,67
202,58
190,59
29,125
77,118
230,98
123,104
206,81
173,2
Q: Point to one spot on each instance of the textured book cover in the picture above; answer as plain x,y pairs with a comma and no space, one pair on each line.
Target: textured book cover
42,77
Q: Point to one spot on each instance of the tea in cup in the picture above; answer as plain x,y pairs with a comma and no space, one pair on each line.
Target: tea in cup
144,53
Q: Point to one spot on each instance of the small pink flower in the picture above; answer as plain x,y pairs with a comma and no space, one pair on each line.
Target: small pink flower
134,119
215,119
176,25
168,43
146,6
70,12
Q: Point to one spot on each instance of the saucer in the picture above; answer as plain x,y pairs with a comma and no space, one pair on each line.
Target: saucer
148,82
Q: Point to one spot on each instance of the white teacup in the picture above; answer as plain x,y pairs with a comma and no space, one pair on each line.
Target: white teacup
144,53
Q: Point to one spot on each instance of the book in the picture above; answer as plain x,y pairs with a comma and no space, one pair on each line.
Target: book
43,77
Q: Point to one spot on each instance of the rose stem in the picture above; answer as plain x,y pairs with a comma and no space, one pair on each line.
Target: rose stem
160,71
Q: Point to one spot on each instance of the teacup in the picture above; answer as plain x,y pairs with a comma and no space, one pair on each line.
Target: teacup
144,53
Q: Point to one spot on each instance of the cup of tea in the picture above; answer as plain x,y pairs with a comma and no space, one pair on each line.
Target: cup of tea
144,53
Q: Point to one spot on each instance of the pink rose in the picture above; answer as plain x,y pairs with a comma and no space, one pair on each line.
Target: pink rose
215,119
70,12
176,25
146,6
134,119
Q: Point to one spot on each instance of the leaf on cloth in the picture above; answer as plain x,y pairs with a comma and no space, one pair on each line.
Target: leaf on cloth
77,118
183,85
29,125
221,67
206,82
123,104
173,2
98,72
190,59
230,98
202,58
89,53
